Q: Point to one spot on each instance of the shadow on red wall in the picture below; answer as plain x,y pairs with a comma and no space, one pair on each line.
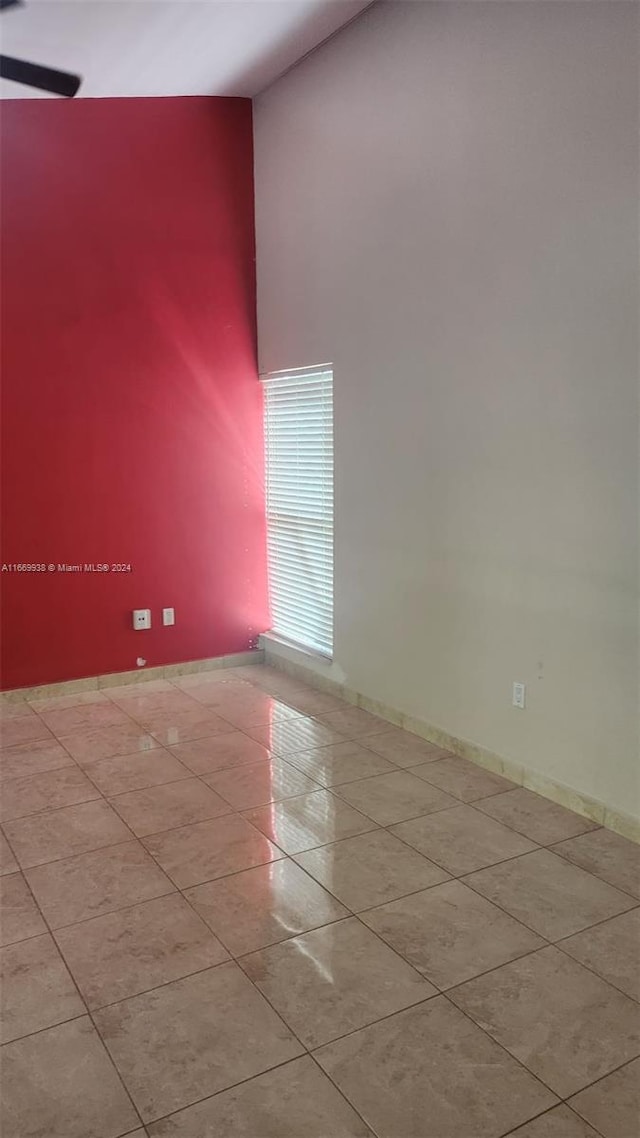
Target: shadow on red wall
131,407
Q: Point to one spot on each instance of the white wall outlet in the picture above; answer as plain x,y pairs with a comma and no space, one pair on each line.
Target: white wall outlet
518,698
142,618
168,616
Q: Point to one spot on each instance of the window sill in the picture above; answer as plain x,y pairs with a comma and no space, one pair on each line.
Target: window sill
273,642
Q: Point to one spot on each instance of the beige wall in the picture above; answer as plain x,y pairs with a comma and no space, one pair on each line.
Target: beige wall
447,201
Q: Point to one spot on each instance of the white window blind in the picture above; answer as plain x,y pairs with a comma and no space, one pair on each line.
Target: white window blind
299,491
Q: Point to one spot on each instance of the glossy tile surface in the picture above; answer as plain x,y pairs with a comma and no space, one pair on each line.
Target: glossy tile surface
87,886
461,839
402,748
333,980
548,894
340,762
91,746
293,1101
310,702
535,817
19,914
138,948
207,850
233,749
123,773
370,869
566,1025
232,675
309,820
62,833
263,906
612,949
450,934
432,1066
608,856
208,1031
168,806
462,779
143,689
61,1083
187,722
252,708
295,735
216,905
143,705
561,1122
33,758
84,717
613,1104
17,709
36,990
354,723
8,863
208,691
390,798
247,786
47,791
25,729
171,728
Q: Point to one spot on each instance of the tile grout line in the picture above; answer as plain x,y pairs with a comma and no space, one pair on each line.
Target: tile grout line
83,1002
507,914
520,1062
306,1051
357,740
601,1078
354,914
588,967
514,857
600,921
375,827
414,892
24,869
290,678
514,1133
438,991
110,912
200,776
242,1082
236,959
431,996
85,1005
353,1107
241,813
240,810
567,1101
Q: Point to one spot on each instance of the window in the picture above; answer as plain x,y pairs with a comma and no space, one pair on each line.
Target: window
299,477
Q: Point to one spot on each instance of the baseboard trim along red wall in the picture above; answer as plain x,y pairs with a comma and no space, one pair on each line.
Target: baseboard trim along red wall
132,451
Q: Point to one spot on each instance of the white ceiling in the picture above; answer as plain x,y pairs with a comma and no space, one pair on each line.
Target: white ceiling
168,47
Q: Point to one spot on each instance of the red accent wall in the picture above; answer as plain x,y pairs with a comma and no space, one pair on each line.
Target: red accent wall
131,407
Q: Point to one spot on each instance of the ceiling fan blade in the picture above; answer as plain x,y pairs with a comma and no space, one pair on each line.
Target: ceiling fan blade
9,4
34,75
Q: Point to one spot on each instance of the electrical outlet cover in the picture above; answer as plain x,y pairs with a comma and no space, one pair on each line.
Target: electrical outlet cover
518,698
141,618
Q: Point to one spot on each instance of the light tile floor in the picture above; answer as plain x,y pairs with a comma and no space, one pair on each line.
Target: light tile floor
236,907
